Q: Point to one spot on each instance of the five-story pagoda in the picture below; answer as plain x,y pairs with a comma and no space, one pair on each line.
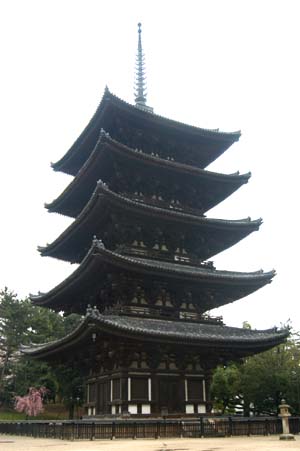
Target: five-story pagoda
142,241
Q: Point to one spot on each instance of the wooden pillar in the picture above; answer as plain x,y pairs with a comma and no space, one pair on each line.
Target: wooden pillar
207,384
204,390
129,388
149,389
155,394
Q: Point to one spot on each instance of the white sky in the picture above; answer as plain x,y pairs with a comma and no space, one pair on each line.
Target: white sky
227,64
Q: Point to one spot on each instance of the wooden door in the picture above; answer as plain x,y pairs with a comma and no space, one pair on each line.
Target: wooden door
170,394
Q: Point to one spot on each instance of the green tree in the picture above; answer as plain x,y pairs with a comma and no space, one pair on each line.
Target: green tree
22,323
268,377
14,330
261,381
225,388
70,386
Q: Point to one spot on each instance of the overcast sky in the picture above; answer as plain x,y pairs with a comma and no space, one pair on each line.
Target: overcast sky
227,64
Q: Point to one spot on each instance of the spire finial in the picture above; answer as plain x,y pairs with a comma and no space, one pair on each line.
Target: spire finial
140,78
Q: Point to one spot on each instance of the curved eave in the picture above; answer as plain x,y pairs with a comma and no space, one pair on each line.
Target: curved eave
87,176
108,99
87,223
203,336
73,280
246,283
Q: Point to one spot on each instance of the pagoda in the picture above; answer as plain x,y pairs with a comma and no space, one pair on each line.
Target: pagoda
143,243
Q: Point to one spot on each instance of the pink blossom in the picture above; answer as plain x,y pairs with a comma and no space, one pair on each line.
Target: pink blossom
32,403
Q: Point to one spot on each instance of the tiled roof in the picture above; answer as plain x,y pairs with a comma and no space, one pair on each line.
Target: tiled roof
107,145
243,283
165,331
83,228
216,133
109,99
188,331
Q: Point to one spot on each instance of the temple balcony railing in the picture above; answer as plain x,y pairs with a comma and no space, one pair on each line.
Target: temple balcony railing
163,313
158,201
139,249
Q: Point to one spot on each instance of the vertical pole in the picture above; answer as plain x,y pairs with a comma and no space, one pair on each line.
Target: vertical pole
113,430
157,435
93,431
249,427
72,431
134,431
185,390
88,393
181,429
149,390
111,394
267,432
129,389
204,390
201,427
230,429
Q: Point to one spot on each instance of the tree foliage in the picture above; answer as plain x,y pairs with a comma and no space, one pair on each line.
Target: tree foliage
70,387
22,323
225,388
261,381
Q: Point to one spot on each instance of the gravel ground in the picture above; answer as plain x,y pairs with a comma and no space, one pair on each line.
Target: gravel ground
12,443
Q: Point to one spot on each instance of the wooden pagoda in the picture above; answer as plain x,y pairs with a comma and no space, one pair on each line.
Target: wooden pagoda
142,241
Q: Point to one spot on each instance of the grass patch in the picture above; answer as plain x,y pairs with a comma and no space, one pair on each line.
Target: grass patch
11,415
51,412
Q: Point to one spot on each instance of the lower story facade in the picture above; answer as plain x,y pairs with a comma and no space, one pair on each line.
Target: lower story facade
144,366
145,393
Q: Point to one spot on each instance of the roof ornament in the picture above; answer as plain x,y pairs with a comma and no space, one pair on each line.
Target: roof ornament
101,183
103,133
101,244
98,243
95,312
89,310
140,78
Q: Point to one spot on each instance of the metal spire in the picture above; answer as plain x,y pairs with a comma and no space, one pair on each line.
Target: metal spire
140,78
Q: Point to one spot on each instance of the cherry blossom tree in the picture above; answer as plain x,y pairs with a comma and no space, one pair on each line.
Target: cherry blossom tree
32,403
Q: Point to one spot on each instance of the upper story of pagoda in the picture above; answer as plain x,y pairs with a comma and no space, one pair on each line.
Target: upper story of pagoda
134,227
146,131
140,286
150,179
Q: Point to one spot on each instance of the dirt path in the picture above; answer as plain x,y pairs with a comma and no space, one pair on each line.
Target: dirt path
272,443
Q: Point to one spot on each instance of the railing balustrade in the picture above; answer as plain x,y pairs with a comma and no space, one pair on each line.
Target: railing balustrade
148,428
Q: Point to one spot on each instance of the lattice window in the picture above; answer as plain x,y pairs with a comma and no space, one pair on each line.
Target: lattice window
91,392
139,388
103,397
116,392
195,389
